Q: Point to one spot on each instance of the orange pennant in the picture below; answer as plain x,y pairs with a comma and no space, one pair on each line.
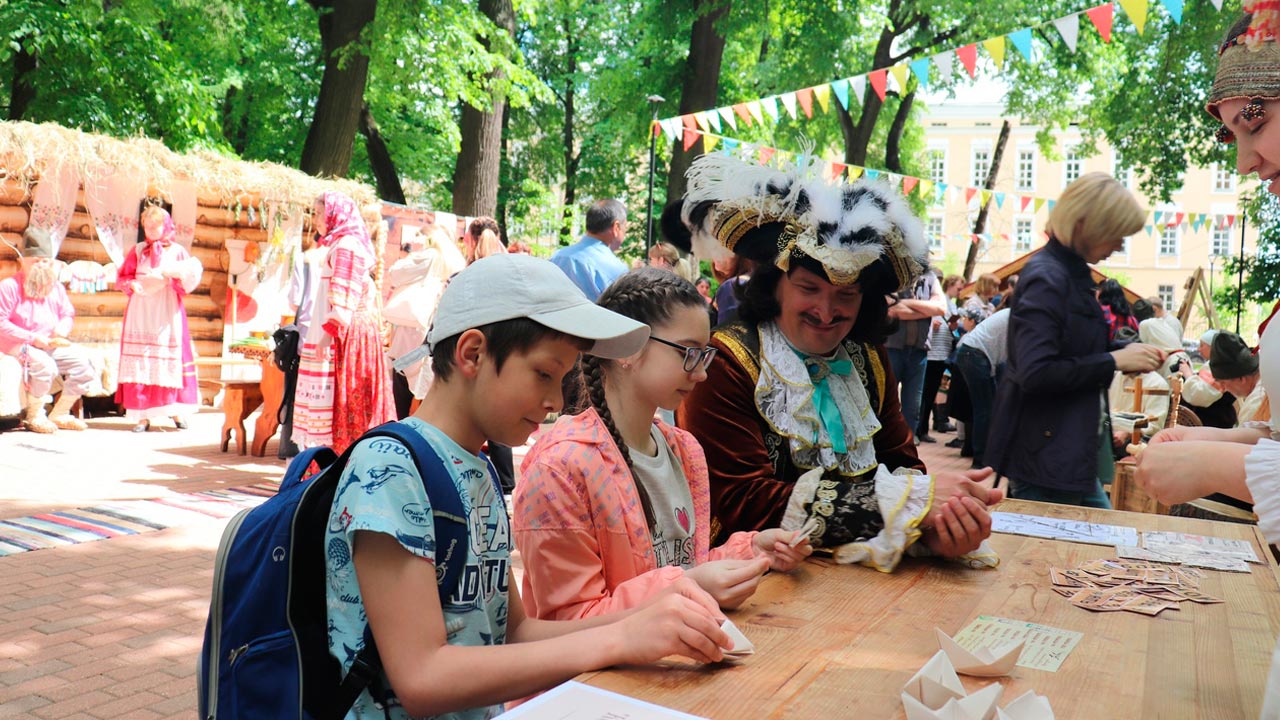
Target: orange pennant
805,97
879,83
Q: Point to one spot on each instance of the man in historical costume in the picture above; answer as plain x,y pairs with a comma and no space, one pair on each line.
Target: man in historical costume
1235,367
35,319
800,417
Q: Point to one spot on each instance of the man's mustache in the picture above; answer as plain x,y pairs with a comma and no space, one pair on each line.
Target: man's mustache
817,321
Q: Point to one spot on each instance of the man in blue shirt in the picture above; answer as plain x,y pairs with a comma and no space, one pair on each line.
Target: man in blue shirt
590,263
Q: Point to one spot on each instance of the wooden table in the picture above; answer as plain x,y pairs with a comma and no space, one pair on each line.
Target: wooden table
838,641
271,389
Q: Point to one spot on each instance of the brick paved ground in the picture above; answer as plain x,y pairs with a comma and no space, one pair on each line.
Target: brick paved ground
111,629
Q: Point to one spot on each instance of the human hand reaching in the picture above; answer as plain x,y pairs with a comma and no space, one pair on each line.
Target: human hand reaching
730,582
775,545
683,620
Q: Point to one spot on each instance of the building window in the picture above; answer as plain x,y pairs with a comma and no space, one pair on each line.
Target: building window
1166,296
937,165
1022,235
933,231
981,166
1026,170
1169,241
1071,165
1224,181
1221,244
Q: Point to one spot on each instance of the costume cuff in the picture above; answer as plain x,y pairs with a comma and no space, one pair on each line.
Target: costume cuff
904,497
1262,475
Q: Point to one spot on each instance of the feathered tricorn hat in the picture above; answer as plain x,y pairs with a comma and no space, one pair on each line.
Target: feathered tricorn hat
794,218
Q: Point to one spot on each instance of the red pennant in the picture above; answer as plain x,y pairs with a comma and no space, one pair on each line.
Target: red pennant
1231,221
688,121
1026,200
805,97
691,136
837,169
656,129
975,239
969,193
765,154
879,83
1103,16
1178,218
741,111
909,183
969,56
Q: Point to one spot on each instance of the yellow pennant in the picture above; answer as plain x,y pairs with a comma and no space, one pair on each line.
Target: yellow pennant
823,93
1137,12
701,119
709,142
900,74
986,198
855,172
995,47
926,189
1039,204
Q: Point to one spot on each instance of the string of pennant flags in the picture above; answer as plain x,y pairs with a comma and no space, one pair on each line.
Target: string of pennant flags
928,190
803,101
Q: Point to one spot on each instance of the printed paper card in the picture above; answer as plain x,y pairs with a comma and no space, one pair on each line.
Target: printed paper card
1045,647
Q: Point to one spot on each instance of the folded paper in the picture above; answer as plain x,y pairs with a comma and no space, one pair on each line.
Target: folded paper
741,645
1028,706
994,661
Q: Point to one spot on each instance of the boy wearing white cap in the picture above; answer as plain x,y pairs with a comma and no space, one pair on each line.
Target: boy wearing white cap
507,330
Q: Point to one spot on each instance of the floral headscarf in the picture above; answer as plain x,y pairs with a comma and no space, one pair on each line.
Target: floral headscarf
342,218
154,249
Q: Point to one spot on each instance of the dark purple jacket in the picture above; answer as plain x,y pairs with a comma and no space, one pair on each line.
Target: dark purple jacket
1045,423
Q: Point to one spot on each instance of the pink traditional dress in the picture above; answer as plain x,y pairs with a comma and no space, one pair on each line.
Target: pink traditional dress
344,386
157,376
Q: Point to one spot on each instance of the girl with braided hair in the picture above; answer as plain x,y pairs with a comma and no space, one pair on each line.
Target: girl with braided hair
613,505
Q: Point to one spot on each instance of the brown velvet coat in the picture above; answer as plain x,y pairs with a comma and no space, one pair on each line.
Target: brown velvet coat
750,465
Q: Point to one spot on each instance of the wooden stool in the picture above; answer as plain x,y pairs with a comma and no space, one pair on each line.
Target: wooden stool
239,400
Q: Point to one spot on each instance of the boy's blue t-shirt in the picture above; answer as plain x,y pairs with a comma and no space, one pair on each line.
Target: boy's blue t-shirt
381,491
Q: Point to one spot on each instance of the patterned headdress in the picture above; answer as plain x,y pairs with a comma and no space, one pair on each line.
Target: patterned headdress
793,217
1248,63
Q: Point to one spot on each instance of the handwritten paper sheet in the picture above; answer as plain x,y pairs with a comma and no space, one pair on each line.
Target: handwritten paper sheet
1046,647
1198,546
1059,529
576,701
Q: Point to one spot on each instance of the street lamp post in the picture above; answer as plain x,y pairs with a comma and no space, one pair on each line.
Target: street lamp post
655,101
1240,279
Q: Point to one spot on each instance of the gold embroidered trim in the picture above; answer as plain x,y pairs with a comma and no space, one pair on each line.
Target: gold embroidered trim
734,344
877,371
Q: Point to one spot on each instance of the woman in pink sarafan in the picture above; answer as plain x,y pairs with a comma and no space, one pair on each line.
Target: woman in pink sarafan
344,387
157,376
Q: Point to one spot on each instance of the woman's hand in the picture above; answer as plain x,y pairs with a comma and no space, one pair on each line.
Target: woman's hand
1138,358
730,582
959,527
774,544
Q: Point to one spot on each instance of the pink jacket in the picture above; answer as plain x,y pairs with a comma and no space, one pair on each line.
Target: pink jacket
22,319
580,528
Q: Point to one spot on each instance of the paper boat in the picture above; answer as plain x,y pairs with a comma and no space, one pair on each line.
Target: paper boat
1028,706
978,706
741,645
986,662
935,683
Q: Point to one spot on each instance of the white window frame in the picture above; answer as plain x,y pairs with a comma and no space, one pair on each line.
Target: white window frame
1223,180
1030,185
1170,299
935,239
935,175
1214,222
1067,162
1018,249
983,147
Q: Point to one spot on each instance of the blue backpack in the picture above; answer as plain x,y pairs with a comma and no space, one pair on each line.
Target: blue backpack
266,643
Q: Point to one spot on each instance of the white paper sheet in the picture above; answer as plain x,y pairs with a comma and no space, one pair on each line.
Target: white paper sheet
1059,529
1180,544
576,701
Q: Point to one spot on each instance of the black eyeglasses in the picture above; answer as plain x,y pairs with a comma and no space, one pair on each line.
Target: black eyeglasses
694,357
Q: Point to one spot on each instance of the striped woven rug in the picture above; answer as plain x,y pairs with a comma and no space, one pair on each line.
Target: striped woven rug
125,517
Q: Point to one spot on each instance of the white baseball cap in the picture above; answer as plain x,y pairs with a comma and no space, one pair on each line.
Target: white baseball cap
506,287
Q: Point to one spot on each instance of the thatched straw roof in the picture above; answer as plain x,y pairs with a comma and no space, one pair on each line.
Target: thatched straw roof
27,150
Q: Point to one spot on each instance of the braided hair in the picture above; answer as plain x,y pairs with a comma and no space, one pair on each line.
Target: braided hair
651,296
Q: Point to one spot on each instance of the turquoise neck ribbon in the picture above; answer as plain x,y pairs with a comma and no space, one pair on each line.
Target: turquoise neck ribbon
819,370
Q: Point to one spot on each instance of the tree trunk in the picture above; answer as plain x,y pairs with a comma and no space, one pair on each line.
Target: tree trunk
981,223
858,136
235,127
571,158
21,89
475,178
384,168
327,150
701,83
893,145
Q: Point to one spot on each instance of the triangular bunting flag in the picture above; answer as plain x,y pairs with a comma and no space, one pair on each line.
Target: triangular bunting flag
895,180
975,238
765,154
1177,219
1103,17
770,105
1175,10
1000,200
1195,222
926,188
841,88
921,69
1137,12
1217,4
969,58
789,103
1157,216
656,127
1069,28
731,144
727,115
690,138
1149,229
855,172
1231,221
709,142
986,198
753,107
969,193
1051,203
713,118
669,127
909,183
687,121
837,169
995,47
701,119
805,97
858,86
878,83
872,174
946,63
1026,200
900,75
1039,204
1160,228
823,93
1022,40
741,111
